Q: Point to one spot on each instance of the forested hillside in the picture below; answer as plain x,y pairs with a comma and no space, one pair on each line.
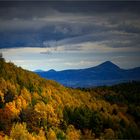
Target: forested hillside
34,108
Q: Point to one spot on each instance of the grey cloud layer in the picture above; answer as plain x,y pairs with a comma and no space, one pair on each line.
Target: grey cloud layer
58,24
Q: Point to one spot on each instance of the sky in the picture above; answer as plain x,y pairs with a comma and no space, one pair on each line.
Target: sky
70,34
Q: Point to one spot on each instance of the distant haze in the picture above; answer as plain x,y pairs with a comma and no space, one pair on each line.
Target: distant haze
106,73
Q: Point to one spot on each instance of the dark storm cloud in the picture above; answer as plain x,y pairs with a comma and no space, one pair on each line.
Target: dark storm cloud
30,24
24,9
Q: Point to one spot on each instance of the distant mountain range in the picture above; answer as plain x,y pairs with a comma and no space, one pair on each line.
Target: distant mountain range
106,73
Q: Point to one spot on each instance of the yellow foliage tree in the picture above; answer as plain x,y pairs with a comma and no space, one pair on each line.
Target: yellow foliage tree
51,135
2,96
46,111
12,107
26,95
19,132
40,136
21,103
72,133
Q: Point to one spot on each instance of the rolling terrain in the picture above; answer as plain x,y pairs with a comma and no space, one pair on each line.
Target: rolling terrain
106,73
33,108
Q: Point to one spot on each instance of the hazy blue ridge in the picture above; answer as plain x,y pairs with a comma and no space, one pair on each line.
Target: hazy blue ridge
106,73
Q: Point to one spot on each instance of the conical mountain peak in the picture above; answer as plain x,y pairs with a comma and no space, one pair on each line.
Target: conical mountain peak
108,64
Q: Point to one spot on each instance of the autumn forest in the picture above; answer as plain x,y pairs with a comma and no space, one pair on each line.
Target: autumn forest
32,108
